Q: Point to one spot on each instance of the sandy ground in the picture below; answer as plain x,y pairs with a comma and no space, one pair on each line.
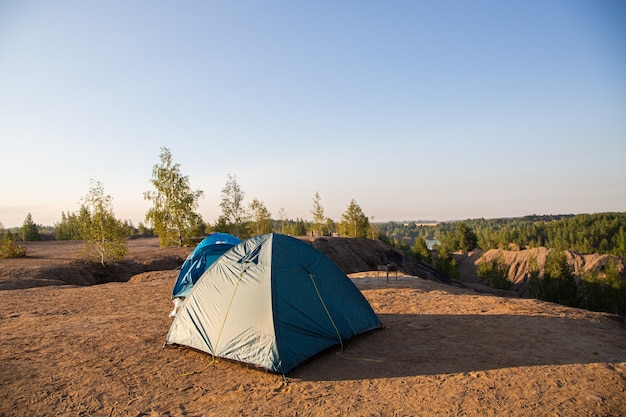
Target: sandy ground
444,351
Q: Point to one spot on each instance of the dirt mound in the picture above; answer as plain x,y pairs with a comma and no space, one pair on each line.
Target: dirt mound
359,255
57,263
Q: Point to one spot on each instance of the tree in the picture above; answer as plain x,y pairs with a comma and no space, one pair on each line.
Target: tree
331,226
462,238
467,237
173,213
143,230
374,231
234,213
354,222
448,242
534,278
300,227
68,228
261,218
29,230
620,242
318,215
615,288
495,273
445,263
420,249
559,284
104,235
198,229
282,216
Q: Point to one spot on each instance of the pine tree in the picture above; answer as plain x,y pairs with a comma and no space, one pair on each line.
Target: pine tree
466,237
29,230
420,249
354,222
559,284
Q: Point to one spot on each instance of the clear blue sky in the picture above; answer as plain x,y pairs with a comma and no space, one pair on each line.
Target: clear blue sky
415,109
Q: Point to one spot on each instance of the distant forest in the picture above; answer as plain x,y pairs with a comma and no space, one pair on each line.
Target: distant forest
603,233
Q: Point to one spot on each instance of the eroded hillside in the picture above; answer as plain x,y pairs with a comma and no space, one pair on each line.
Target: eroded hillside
519,264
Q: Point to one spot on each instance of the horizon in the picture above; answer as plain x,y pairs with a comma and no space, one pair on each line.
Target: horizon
425,109
423,222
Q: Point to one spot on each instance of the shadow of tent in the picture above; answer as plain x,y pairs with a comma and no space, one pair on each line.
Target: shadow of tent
415,344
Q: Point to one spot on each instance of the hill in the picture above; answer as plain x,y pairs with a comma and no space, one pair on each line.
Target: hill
518,264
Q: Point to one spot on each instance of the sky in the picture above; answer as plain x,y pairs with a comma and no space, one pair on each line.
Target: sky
416,110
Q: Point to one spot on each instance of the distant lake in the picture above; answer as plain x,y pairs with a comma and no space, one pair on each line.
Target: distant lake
432,242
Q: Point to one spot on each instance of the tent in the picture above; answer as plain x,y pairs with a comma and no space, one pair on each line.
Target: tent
272,301
207,252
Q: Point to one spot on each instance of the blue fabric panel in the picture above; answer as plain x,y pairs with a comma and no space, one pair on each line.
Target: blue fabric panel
316,306
203,256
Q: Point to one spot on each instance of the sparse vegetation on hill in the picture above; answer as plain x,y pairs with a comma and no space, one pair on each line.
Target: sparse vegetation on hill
595,282
564,277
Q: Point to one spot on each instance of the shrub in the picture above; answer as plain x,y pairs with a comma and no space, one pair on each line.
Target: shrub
10,249
495,273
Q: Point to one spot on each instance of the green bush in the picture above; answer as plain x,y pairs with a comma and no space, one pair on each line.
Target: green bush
606,293
558,284
446,264
495,273
10,249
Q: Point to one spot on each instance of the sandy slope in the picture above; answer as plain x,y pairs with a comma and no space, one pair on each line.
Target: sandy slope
70,351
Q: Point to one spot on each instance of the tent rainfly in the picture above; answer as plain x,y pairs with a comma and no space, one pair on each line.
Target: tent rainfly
207,252
272,301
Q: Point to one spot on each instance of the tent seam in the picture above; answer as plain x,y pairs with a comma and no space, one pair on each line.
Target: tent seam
326,309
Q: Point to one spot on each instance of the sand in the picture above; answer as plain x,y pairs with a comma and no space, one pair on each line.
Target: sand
444,351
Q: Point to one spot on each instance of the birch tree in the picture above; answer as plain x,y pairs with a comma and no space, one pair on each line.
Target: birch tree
318,215
261,218
234,212
173,214
104,237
